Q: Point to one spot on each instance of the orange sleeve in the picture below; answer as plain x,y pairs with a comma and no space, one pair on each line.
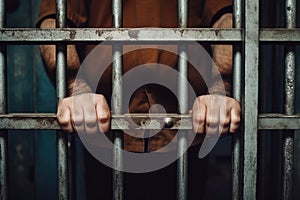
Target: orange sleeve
76,12
213,10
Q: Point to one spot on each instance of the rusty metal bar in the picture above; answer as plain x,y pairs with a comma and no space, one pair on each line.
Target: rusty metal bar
279,35
182,162
3,110
288,136
122,122
62,141
237,89
94,35
251,98
117,70
29,35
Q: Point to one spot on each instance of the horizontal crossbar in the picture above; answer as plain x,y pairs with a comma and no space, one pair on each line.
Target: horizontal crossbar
157,121
72,35
110,34
278,122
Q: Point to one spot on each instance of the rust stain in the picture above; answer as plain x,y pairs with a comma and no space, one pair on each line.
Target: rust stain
133,34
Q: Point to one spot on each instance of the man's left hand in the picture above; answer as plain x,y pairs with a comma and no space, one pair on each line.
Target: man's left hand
214,114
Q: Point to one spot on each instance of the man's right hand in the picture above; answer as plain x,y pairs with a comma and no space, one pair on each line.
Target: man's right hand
86,112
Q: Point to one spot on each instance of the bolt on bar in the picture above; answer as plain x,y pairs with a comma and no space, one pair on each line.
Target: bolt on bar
251,98
183,103
117,102
62,147
3,110
288,136
237,81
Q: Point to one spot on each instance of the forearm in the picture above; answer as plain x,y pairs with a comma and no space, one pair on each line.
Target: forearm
73,63
222,56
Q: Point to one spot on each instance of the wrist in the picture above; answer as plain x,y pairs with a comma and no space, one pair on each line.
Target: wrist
79,86
225,91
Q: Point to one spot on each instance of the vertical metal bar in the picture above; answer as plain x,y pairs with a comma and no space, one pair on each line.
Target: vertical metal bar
251,98
117,13
3,109
61,65
183,107
182,13
237,82
117,103
288,136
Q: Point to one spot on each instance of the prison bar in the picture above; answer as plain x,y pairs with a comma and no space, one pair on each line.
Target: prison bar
250,99
182,163
3,109
62,142
157,122
117,103
288,136
74,35
28,35
237,88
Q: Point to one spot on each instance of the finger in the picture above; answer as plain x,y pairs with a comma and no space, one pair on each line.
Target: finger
235,119
77,118
212,118
103,114
64,118
90,119
199,114
224,120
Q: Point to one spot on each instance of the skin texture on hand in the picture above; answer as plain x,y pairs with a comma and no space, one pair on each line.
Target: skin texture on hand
87,113
216,113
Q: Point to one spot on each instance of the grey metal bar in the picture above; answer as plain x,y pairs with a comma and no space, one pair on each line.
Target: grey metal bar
251,98
182,13
72,35
117,12
121,122
117,70
2,14
62,142
182,163
3,110
117,109
278,122
121,34
288,136
182,140
280,35
61,13
237,88
290,14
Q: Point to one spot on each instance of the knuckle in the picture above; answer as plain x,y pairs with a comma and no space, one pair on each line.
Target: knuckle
226,121
100,98
77,119
63,121
236,120
199,99
225,131
212,120
90,120
104,116
62,117
199,119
